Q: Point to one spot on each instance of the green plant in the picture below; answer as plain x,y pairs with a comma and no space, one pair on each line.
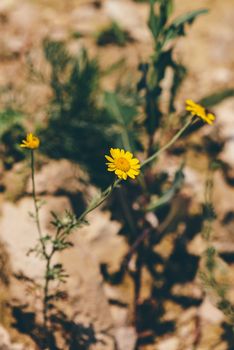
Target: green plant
11,129
78,128
113,34
213,261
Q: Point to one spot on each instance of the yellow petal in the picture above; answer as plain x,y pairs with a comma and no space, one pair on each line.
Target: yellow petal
128,156
109,158
134,172
136,167
134,161
130,174
211,116
115,152
118,172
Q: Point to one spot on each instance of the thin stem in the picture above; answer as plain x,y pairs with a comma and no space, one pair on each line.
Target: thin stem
46,291
167,145
34,197
46,256
47,282
105,194
125,140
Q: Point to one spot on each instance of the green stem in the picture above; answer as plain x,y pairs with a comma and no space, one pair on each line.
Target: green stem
167,145
46,256
105,194
125,140
34,197
46,291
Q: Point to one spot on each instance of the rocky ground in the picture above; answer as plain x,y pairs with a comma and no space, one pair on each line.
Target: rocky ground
208,53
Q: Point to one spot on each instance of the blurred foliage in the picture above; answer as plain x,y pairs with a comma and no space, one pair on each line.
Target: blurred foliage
11,129
123,106
113,34
166,197
154,71
217,97
78,128
213,261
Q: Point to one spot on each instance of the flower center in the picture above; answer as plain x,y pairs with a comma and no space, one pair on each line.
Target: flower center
122,164
199,110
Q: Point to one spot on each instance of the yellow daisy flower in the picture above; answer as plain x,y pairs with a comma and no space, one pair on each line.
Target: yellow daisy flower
199,111
123,163
31,142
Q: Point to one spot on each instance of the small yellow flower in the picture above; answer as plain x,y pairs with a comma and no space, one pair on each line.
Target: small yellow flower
31,142
123,163
199,111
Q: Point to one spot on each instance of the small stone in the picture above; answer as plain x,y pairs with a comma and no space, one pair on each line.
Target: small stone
210,313
126,338
169,344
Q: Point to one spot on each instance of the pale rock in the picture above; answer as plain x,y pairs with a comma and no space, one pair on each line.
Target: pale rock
13,45
7,5
59,176
171,343
126,338
87,19
6,344
132,20
19,234
187,315
4,338
195,180
123,292
197,245
102,237
94,244
25,17
228,152
225,118
209,312
223,195
120,315
223,75
87,301
227,156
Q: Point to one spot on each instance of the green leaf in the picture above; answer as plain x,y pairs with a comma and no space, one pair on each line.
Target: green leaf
179,73
113,34
153,21
177,27
8,117
113,67
168,195
119,109
188,17
164,13
216,97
